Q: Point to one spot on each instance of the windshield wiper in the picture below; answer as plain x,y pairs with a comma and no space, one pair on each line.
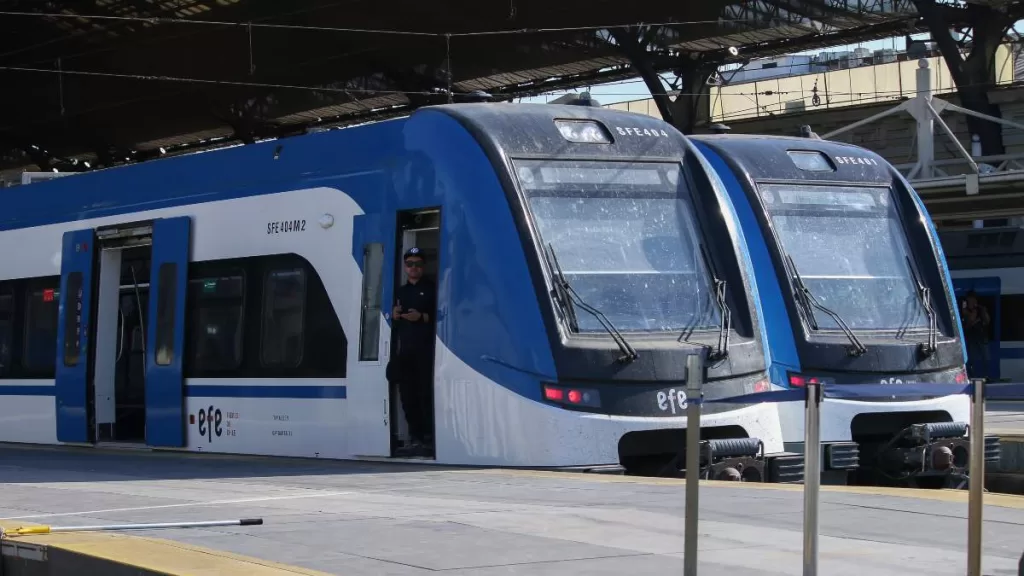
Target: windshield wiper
564,289
924,293
723,306
804,296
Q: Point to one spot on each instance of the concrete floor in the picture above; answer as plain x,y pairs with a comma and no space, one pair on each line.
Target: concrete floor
383,519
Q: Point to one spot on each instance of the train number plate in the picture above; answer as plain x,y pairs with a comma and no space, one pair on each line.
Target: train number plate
671,400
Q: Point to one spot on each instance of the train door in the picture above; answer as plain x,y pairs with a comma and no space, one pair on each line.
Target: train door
988,290
118,366
72,380
416,229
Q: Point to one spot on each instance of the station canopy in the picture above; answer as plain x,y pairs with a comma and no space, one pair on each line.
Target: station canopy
106,82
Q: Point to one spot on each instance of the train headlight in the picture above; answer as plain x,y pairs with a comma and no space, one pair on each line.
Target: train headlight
583,131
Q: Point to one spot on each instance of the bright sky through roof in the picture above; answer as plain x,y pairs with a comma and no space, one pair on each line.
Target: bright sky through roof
635,89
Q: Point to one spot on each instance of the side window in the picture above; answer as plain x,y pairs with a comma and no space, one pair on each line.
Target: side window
73,320
369,330
39,351
166,295
1011,310
284,306
215,327
6,329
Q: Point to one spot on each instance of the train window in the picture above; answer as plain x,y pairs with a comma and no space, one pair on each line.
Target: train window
810,160
6,329
166,294
851,251
284,304
1011,312
215,325
39,351
369,331
625,237
73,320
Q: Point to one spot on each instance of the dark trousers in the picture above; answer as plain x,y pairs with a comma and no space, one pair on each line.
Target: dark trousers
416,387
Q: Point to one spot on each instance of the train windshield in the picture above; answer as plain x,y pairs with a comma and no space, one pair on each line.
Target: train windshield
849,248
624,237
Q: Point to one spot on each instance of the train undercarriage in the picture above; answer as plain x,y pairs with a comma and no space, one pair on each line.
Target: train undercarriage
927,455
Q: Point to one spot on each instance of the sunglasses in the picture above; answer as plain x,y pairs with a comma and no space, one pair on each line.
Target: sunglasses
414,264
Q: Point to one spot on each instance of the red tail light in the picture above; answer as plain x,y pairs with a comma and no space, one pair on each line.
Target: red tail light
961,377
572,396
762,386
799,380
556,394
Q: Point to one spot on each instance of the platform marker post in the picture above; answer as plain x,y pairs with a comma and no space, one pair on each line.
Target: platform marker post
812,477
976,498
694,383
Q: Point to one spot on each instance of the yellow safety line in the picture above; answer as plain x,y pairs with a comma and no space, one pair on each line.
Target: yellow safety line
991,499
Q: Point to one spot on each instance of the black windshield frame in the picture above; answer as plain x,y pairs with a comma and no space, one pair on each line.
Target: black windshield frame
541,201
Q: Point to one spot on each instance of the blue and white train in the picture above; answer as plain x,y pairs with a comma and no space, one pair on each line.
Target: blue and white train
238,301
854,289
990,262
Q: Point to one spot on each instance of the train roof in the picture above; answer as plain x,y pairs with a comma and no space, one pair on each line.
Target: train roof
265,167
767,157
531,130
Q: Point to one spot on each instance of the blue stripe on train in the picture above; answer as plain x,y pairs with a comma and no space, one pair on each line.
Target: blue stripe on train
27,390
214,391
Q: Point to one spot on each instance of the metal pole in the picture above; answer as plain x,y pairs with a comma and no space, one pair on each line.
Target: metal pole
694,382
925,120
812,478
977,479
52,529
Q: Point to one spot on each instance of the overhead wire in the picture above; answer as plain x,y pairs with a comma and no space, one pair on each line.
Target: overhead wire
233,23
250,84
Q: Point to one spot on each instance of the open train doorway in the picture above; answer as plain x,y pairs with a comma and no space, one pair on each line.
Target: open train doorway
122,321
119,371
411,375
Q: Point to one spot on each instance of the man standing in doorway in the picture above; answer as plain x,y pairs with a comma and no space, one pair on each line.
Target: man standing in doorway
413,314
976,322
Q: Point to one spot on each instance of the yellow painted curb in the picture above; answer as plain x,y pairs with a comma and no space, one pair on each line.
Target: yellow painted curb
158,555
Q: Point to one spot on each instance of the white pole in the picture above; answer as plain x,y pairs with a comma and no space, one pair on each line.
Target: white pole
812,478
694,382
52,529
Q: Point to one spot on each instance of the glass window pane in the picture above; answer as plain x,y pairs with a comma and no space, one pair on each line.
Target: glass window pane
849,246
284,301
625,237
373,266
216,334
39,351
167,292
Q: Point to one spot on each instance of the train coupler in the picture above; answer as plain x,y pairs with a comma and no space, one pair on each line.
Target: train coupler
744,460
732,460
931,452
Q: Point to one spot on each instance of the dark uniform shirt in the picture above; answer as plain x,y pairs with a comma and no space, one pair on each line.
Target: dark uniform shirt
422,297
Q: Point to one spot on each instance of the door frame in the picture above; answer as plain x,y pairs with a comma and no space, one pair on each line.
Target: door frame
399,428
985,286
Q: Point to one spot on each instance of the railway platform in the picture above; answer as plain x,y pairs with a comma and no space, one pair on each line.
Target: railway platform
325,517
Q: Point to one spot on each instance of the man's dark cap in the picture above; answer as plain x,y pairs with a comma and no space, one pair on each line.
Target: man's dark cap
414,251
